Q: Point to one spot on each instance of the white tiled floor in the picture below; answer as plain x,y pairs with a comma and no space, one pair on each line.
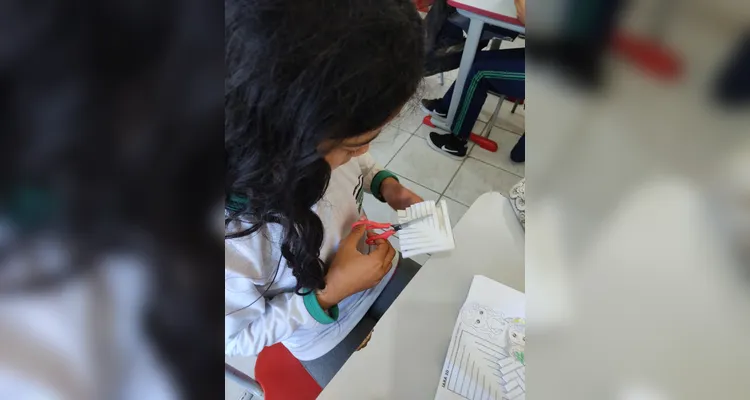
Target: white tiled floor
402,149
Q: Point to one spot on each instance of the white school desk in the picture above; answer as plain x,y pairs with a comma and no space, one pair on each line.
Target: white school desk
406,353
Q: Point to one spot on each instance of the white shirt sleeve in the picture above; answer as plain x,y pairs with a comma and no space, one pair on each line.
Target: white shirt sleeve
252,321
370,168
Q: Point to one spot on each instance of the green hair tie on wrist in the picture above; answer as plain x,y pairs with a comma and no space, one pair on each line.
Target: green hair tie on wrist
377,180
317,312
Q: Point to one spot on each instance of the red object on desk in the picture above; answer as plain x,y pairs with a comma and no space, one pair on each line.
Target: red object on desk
283,377
483,142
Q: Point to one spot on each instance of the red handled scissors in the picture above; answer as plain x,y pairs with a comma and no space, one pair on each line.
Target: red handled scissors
389,229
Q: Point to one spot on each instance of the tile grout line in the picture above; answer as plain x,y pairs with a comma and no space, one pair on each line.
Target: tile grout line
459,168
459,202
506,130
453,177
397,151
494,166
418,184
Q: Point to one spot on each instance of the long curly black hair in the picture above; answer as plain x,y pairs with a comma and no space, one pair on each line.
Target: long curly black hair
299,73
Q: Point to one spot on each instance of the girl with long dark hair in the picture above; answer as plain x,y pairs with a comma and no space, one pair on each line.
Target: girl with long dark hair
308,86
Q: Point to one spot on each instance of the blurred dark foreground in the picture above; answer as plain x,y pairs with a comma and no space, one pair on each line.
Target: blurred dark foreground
110,166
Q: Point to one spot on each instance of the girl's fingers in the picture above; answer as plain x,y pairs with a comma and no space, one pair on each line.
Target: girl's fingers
371,234
382,247
354,237
388,261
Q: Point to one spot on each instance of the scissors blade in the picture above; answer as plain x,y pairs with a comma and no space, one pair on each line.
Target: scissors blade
407,223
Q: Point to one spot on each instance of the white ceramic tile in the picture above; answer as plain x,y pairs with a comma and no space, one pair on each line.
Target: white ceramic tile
450,77
377,211
419,163
425,130
456,210
420,190
476,178
410,117
501,158
488,108
515,122
432,89
382,212
385,146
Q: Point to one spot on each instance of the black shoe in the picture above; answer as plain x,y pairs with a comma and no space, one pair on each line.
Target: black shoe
432,107
448,145
518,154
733,86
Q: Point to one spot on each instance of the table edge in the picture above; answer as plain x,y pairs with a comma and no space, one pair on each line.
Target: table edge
489,14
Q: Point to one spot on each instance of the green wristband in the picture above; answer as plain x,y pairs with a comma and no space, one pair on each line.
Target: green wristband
377,180
317,312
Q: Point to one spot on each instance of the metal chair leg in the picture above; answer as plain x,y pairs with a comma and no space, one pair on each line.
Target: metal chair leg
491,121
442,79
513,111
244,380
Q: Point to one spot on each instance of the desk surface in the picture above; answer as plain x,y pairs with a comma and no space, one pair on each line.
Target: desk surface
502,10
405,355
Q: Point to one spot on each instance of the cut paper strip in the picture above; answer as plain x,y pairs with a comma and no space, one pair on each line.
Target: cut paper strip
512,385
430,235
510,367
513,394
506,361
510,377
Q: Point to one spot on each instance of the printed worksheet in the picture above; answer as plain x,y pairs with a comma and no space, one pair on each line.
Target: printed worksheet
485,359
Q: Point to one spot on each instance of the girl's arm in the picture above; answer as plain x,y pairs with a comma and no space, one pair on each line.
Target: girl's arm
251,320
264,323
254,322
384,185
373,175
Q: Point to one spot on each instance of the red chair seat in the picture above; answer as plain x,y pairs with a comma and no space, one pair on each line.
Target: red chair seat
283,377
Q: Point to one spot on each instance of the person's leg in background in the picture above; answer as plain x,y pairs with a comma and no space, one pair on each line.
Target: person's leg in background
502,71
483,61
518,154
324,368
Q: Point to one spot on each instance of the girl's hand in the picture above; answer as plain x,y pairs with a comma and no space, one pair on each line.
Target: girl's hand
521,10
397,196
352,272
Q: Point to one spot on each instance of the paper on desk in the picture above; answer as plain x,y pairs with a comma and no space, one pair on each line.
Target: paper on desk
485,359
